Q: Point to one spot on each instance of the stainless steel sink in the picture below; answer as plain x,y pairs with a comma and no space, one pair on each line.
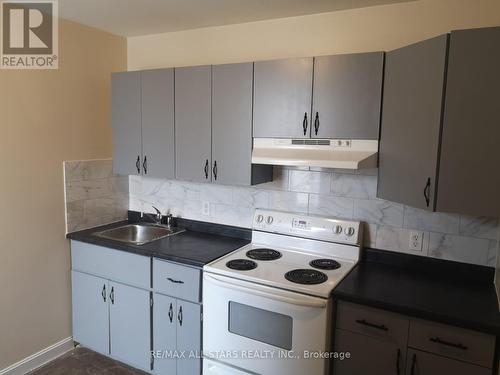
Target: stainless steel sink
138,234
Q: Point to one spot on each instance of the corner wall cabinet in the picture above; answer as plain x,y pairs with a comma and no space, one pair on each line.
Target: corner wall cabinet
143,123
382,343
440,124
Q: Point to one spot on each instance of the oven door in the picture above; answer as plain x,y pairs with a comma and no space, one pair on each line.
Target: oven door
264,330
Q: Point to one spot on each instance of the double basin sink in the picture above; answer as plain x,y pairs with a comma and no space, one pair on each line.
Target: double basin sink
138,234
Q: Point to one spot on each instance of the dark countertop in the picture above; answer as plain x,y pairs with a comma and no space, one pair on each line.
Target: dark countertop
199,245
454,294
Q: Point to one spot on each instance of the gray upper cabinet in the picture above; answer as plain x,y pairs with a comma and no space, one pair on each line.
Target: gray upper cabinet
143,123
232,127
347,96
232,123
282,98
469,181
158,123
411,122
126,113
440,124
193,133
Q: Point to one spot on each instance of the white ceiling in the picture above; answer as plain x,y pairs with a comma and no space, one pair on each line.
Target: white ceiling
142,17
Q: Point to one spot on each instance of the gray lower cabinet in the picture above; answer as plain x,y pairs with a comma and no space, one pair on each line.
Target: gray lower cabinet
385,343
232,127
368,355
90,311
422,363
112,319
282,98
130,325
176,336
347,96
193,133
143,123
440,124
126,115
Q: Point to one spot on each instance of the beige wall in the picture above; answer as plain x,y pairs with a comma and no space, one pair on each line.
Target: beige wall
47,117
368,29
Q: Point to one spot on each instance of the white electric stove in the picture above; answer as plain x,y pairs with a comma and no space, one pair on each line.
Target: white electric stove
267,305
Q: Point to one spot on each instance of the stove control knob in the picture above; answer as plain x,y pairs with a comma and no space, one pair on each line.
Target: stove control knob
337,229
259,219
349,232
269,220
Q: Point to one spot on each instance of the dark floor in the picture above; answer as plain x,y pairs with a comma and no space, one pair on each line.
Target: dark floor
81,361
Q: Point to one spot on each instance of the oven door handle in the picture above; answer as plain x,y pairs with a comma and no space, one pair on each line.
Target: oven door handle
267,292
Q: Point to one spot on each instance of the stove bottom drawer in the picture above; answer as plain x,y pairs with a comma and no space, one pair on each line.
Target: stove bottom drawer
211,367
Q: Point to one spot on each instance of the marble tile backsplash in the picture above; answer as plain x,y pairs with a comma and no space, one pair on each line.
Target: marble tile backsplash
336,193
94,196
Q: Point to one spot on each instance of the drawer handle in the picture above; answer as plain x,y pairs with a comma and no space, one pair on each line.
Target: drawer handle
175,281
437,340
372,325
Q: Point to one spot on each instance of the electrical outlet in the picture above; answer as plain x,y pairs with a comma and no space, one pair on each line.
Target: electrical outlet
206,208
416,241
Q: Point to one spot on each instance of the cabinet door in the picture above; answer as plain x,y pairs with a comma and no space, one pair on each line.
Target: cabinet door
158,123
347,96
193,133
189,337
411,123
130,325
368,355
232,124
126,114
165,334
90,311
469,181
282,98
422,363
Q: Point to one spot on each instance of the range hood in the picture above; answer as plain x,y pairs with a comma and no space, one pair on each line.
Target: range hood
325,153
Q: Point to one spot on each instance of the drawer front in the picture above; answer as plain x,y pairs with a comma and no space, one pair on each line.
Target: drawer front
176,280
111,264
458,343
421,363
373,322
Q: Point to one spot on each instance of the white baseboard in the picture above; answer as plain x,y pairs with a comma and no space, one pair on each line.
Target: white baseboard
39,359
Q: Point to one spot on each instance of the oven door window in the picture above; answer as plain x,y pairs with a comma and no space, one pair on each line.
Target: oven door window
261,325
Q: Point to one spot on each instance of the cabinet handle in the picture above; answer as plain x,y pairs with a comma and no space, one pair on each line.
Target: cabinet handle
103,293
112,295
145,165
175,281
438,340
398,362
413,364
179,316
214,170
427,192
206,169
171,313
138,164
372,325
304,123
316,124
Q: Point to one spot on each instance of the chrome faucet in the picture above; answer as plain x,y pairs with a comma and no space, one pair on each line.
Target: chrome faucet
158,216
